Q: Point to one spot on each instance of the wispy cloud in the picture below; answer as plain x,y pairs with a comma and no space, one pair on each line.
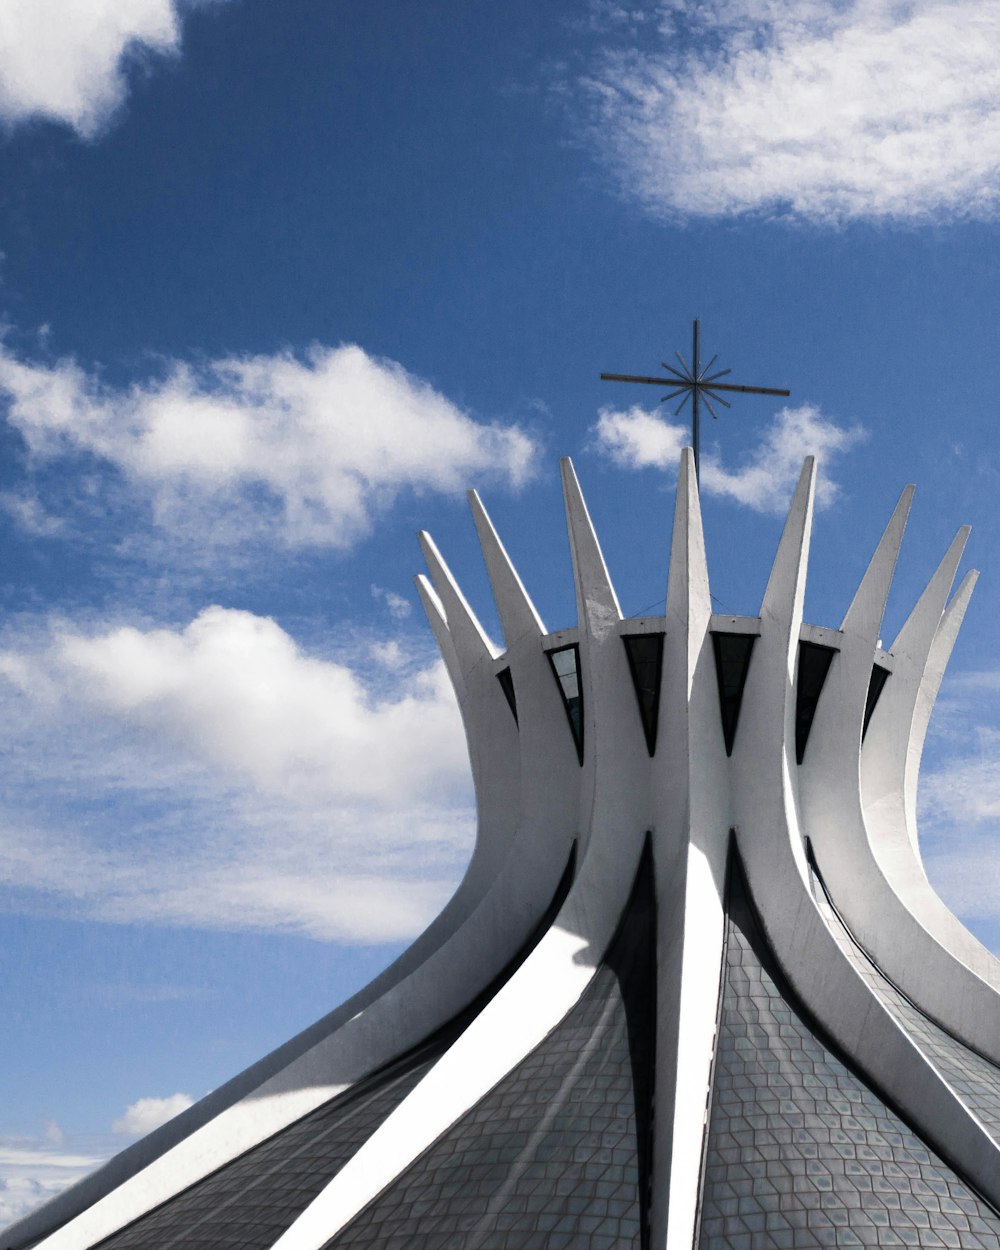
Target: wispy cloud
399,608
309,449
216,775
69,62
32,1171
823,112
637,439
145,1114
959,813
29,514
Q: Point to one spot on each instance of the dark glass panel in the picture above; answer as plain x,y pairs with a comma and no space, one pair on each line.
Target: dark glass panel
565,663
645,661
556,1154
814,664
875,685
507,686
732,660
973,1077
800,1151
249,1202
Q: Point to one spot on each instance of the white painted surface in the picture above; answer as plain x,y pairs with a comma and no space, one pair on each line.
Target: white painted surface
534,798
770,839
693,815
519,859
860,813
613,805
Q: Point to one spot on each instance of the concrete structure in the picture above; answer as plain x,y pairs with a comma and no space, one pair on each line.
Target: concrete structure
695,988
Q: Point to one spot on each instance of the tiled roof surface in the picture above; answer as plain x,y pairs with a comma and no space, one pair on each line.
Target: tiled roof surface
556,1154
800,1152
973,1078
248,1203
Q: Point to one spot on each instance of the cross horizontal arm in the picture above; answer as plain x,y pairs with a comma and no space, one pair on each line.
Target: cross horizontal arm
747,390
709,386
628,377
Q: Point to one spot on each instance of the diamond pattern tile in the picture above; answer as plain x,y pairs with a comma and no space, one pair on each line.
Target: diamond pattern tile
556,1155
974,1079
247,1204
800,1152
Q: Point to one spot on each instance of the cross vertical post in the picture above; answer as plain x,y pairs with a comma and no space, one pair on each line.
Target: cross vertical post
695,406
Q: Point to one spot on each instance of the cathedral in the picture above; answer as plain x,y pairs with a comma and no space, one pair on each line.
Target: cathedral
694,990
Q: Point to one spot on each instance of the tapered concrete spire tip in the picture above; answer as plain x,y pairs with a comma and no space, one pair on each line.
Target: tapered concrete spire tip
864,616
471,640
786,585
687,584
597,603
518,616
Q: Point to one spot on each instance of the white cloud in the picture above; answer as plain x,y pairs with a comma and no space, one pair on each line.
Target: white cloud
389,654
148,1113
31,1173
826,112
965,792
68,61
967,875
29,514
216,775
636,439
242,447
399,608
235,689
959,797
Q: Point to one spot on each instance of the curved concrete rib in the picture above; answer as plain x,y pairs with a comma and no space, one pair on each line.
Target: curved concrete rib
872,874
438,621
934,667
514,875
138,1179
863,619
555,974
518,616
768,698
614,785
549,791
493,774
692,815
770,842
472,645
490,730
885,759
464,964
534,799
961,986
596,600
882,890
530,1005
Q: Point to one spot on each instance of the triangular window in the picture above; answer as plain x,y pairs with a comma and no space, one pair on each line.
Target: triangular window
645,662
565,663
875,685
507,686
732,660
814,664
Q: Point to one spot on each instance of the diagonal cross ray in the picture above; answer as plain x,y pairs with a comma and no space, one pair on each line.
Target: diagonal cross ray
695,383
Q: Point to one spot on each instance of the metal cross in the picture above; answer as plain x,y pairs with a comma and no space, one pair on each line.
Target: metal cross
694,383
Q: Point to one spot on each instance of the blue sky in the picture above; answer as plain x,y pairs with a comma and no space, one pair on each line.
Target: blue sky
278,283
